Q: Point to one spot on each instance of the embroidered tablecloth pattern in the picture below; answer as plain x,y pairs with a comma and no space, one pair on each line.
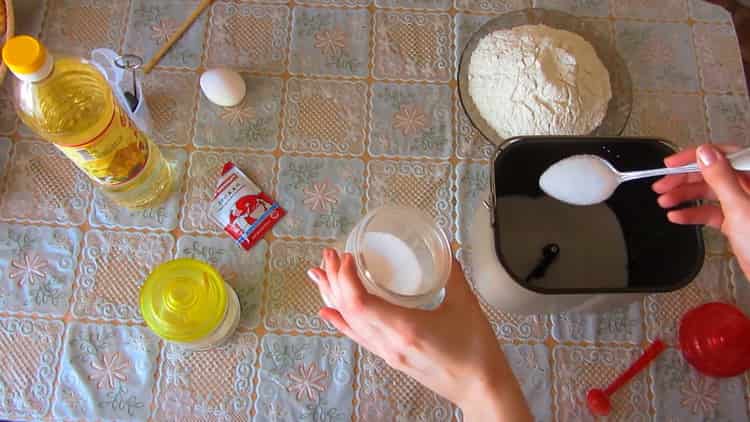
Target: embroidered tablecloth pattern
351,105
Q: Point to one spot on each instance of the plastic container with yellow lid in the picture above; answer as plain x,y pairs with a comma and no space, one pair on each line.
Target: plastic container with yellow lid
187,302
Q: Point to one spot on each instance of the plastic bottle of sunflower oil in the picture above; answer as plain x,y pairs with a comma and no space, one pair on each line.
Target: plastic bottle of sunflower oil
68,102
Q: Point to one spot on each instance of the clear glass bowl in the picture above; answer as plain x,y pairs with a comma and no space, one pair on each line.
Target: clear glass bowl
619,108
401,256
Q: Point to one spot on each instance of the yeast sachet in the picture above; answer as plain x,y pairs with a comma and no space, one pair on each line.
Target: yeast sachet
242,209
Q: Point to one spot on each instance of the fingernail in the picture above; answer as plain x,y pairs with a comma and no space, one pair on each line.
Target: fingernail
313,276
707,155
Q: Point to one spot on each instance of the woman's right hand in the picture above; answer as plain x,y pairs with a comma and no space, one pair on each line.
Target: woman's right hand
718,181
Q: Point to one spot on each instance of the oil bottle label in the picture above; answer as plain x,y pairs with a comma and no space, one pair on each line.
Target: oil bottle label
114,156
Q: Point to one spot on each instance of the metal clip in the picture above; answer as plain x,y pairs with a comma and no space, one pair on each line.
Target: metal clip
132,63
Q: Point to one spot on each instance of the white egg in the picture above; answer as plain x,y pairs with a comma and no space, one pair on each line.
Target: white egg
223,87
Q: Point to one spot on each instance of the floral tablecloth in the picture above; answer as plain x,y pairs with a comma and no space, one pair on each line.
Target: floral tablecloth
351,104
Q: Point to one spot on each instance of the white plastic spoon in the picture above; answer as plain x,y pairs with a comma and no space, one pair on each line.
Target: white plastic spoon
590,179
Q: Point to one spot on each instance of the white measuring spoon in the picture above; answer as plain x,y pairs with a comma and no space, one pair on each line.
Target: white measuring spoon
590,179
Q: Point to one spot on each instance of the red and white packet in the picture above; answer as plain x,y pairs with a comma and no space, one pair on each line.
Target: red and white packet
244,211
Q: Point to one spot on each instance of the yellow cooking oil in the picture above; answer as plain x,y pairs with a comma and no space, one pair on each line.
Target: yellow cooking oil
68,102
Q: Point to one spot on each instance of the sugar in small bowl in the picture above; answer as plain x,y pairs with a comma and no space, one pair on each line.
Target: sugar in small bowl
402,256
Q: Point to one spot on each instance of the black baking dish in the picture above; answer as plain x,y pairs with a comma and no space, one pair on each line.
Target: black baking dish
661,256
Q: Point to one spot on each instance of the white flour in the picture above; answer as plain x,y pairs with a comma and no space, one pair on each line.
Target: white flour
392,264
537,80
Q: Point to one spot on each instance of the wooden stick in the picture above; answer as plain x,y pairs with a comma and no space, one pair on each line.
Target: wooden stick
177,35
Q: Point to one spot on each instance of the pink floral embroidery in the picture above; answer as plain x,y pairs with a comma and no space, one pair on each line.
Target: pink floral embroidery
410,119
27,269
237,115
700,395
330,42
108,369
308,382
163,29
321,197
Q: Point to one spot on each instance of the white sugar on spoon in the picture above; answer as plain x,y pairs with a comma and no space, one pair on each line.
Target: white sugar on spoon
590,179
579,180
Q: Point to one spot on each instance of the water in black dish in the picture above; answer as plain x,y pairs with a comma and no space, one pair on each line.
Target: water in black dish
661,256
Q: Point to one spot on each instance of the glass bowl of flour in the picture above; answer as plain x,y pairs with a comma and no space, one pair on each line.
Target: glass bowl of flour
543,72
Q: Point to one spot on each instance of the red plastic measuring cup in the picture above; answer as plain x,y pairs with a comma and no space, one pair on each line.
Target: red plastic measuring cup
715,339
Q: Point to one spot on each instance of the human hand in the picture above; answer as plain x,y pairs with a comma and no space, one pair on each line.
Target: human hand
451,350
718,181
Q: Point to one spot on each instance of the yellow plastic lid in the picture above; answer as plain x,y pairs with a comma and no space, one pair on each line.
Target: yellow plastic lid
24,54
183,300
